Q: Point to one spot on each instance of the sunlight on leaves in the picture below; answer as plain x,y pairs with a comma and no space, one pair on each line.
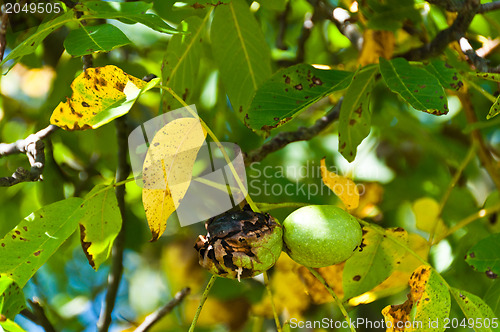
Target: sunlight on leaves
429,300
426,212
167,170
376,44
344,188
99,96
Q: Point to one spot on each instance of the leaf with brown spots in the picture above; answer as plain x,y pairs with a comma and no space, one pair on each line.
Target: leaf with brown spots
100,224
476,309
99,96
167,170
374,261
484,256
429,300
446,74
355,114
415,85
289,92
11,297
23,252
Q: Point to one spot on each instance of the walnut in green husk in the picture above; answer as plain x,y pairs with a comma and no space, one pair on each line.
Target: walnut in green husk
240,244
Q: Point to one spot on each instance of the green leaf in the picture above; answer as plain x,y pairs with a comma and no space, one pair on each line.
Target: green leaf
415,85
390,14
30,44
355,114
30,244
485,256
100,224
11,326
446,74
130,12
98,38
492,297
494,110
11,297
374,263
181,61
475,308
243,56
289,92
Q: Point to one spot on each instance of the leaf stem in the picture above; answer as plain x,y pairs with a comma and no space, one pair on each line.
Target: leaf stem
219,145
335,297
482,91
272,206
452,185
275,313
202,302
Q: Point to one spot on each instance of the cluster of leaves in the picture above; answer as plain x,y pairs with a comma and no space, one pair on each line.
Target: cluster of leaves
229,48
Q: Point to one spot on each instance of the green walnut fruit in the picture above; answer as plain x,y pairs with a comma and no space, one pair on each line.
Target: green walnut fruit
321,235
240,244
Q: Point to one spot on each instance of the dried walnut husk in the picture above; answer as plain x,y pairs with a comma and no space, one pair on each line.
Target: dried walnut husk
240,244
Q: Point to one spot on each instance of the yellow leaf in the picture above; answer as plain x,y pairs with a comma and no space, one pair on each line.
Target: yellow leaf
99,95
343,187
376,43
370,195
333,277
167,170
426,212
289,292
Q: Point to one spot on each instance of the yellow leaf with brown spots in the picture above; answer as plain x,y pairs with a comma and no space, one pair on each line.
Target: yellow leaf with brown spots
344,188
428,301
376,44
99,96
167,170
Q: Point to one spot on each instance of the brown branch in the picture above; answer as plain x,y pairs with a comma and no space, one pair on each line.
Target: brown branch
153,318
446,36
115,274
342,20
284,138
33,147
3,31
282,18
487,160
488,7
39,315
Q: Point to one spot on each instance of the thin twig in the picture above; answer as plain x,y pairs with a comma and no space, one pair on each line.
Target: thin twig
284,138
202,302
115,274
153,318
484,154
446,36
42,319
3,31
489,6
481,64
270,294
342,20
33,147
335,297
282,18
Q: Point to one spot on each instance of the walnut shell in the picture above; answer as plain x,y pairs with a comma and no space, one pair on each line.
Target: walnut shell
240,244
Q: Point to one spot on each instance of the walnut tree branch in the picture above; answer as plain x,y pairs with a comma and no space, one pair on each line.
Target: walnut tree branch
284,138
4,19
446,36
115,274
153,318
40,316
33,147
